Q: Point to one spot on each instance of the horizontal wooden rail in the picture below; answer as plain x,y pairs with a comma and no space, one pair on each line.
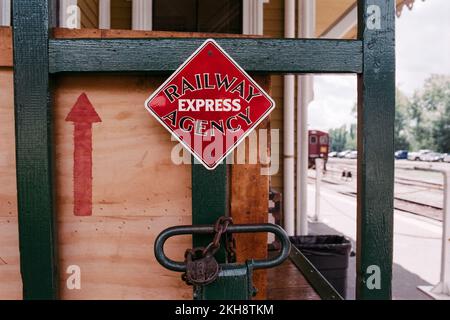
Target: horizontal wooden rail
166,55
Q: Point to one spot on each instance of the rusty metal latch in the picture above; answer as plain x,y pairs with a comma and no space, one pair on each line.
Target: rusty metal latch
180,266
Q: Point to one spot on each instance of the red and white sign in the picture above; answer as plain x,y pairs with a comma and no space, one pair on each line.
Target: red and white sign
210,104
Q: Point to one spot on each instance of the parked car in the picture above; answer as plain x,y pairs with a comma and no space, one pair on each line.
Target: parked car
446,157
352,155
401,154
432,157
332,154
342,154
415,156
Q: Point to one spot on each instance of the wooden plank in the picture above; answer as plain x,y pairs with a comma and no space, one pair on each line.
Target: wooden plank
274,19
285,282
376,112
115,256
250,201
8,203
65,33
131,150
11,282
137,192
121,12
164,55
34,149
274,27
89,13
6,58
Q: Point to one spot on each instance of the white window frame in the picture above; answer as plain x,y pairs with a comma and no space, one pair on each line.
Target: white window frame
104,14
253,17
142,15
5,12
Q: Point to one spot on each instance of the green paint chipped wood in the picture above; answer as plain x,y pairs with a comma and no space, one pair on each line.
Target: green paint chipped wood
162,55
376,111
209,199
34,149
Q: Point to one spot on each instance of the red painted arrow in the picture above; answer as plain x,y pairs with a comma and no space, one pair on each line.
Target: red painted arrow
82,115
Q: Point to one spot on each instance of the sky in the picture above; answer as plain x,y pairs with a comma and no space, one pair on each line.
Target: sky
422,49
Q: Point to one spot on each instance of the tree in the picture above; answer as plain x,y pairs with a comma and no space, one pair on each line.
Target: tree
421,122
352,137
429,113
338,138
439,97
341,138
441,133
401,141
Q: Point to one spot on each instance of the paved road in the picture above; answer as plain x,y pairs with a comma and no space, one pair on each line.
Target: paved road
417,241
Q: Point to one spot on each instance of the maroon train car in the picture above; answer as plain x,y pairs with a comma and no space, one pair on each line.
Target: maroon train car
318,146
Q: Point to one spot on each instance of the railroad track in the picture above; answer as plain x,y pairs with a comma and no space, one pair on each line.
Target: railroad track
398,179
401,204
412,207
418,183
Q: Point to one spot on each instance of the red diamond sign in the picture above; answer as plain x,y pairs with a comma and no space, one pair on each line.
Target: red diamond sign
210,104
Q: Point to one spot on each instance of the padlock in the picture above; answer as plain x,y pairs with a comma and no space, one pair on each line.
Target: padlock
201,269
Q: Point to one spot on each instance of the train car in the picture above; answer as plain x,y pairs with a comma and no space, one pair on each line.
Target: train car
318,146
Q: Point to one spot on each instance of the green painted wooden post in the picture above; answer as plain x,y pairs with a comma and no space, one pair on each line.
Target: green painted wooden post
209,202
209,198
376,112
34,148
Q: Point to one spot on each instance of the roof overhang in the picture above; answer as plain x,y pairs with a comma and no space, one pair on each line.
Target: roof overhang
338,19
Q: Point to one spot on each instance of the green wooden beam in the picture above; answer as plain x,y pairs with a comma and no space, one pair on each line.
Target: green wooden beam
210,194
33,148
164,55
376,112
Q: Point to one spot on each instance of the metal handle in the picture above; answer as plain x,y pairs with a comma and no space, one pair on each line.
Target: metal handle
235,228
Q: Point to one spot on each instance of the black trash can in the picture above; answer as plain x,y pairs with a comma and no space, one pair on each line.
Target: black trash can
329,254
